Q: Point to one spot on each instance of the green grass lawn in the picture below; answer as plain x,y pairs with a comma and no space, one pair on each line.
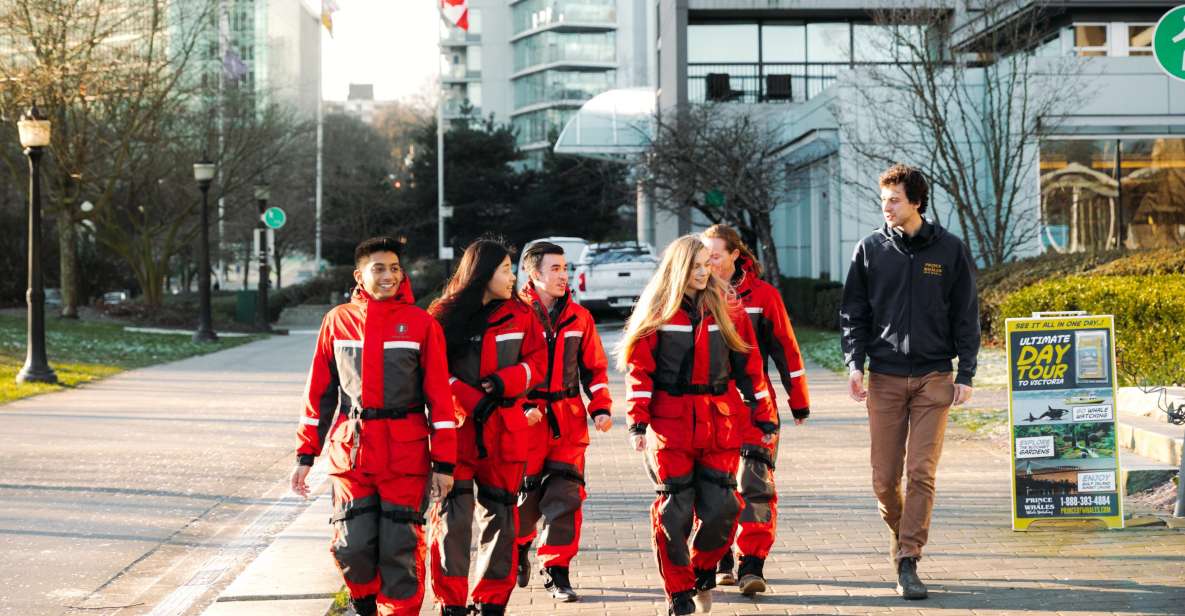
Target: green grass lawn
820,346
83,351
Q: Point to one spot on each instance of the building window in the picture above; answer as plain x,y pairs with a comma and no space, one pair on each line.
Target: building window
1139,39
722,43
782,60
783,42
828,42
1111,39
555,85
534,14
1099,194
1091,40
1152,192
537,126
551,46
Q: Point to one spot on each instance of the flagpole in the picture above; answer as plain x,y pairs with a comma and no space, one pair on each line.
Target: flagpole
444,252
223,41
320,147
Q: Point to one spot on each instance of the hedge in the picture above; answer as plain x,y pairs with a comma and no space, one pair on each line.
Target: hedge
812,301
1149,318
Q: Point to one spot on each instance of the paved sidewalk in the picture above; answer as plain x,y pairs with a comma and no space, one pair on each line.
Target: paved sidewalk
831,552
146,491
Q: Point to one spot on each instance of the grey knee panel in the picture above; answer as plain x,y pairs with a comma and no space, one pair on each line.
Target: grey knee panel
560,501
355,538
457,514
398,545
717,508
676,507
495,522
757,488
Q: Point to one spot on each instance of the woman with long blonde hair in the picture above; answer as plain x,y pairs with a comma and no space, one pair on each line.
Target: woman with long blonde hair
689,352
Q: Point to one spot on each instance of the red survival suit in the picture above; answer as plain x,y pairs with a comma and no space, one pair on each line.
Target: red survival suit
380,361
512,353
554,485
776,341
681,396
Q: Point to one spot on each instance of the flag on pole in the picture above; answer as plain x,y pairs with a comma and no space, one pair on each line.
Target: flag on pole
328,8
456,12
233,67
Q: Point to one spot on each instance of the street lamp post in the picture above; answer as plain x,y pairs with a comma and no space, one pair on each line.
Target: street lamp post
34,133
262,193
203,173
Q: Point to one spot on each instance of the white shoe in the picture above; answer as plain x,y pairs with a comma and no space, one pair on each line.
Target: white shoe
702,601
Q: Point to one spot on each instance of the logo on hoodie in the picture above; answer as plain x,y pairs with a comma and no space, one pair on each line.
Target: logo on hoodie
932,269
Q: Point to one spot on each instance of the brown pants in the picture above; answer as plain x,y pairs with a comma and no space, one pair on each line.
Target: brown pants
907,421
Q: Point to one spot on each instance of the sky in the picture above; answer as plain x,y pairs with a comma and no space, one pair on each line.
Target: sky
390,43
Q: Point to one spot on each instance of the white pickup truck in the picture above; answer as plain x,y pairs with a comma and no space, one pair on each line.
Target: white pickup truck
611,276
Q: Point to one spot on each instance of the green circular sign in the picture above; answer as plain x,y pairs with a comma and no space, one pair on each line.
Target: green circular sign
1168,43
274,217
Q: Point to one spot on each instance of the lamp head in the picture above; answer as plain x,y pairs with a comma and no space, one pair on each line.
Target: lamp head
204,170
263,191
34,129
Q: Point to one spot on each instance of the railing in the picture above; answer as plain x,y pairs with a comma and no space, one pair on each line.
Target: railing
457,36
542,13
762,83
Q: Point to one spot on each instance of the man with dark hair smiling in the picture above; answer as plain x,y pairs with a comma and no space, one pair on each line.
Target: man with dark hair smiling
553,490
386,359
909,307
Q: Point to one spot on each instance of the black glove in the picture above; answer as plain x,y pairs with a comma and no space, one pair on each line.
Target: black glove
638,429
497,387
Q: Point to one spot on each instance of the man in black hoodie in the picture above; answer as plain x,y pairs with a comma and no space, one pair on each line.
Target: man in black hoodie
909,308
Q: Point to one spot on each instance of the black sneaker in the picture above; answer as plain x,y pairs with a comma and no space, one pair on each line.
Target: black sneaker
364,606
493,609
555,579
681,603
751,575
724,576
524,565
457,610
909,585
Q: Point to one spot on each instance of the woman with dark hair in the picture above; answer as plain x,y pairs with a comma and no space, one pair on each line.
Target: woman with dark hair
496,354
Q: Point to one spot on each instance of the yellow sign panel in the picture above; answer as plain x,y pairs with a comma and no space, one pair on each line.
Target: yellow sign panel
1061,409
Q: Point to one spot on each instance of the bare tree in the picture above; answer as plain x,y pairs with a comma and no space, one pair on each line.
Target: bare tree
966,113
109,74
722,161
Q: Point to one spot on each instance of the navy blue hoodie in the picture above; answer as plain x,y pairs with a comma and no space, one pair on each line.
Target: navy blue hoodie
909,304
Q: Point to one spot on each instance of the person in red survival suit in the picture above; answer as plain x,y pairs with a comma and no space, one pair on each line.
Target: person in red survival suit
382,358
686,350
732,260
496,355
554,485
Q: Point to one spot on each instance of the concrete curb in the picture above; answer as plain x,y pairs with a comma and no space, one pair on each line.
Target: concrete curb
294,576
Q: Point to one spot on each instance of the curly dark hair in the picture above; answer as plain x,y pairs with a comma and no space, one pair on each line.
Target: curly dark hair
381,243
917,190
